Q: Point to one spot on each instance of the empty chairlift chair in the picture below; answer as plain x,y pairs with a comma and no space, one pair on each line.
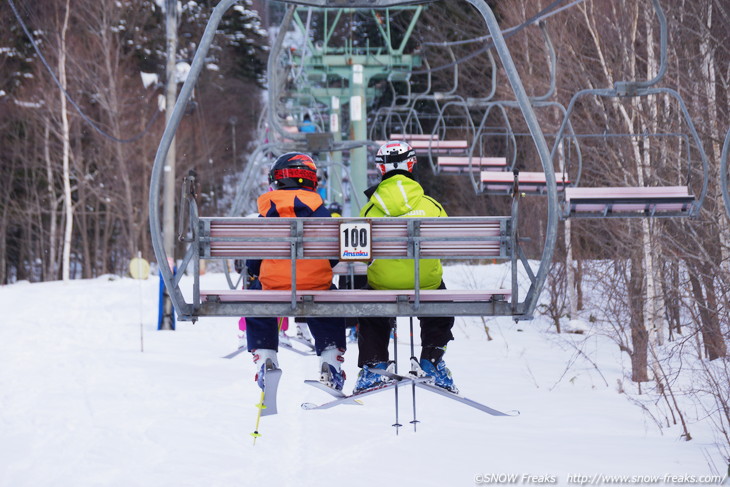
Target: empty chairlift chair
496,132
666,167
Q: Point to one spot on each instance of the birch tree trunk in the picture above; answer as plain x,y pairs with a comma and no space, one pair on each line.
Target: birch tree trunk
647,271
570,272
66,139
654,302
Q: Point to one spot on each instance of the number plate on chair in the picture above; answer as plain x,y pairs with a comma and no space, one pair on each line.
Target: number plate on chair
355,241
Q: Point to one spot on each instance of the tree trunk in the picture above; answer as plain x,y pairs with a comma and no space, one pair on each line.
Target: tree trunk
111,73
570,273
66,138
52,265
706,301
672,298
639,333
3,245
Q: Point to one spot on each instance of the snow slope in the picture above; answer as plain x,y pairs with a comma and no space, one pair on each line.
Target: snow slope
81,405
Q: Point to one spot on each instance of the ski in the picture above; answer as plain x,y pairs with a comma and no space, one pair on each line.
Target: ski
303,341
235,353
324,387
353,398
464,400
426,384
289,346
285,346
271,385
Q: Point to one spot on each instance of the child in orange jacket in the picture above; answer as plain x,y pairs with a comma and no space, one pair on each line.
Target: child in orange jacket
293,178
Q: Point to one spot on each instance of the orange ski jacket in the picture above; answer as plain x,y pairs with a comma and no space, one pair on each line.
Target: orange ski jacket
276,273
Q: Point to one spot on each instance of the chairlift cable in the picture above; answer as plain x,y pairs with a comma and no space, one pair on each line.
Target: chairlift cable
489,45
542,15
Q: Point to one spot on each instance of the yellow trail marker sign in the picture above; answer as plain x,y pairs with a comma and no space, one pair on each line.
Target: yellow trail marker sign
139,268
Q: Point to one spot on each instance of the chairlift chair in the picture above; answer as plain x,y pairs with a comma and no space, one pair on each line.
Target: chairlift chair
653,198
488,181
187,310
532,182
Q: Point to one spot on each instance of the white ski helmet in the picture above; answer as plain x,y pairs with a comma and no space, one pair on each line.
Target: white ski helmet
395,155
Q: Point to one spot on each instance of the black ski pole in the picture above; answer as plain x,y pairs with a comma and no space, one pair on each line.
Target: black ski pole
395,357
413,383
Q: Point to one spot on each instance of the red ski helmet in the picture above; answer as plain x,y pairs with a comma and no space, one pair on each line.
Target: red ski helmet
293,170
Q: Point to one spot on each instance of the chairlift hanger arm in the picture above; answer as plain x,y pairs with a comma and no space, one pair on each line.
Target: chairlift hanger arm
553,62
273,72
628,88
165,142
724,172
540,144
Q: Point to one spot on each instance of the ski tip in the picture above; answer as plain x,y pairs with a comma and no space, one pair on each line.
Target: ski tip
309,405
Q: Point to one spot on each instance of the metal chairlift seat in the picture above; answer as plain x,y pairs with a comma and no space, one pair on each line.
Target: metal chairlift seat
529,183
662,201
318,238
434,145
464,164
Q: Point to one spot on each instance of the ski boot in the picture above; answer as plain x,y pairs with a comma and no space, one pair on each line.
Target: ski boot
367,379
331,373
438,371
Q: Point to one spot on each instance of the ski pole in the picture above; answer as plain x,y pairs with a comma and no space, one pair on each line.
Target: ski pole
395,357
413,383
260,407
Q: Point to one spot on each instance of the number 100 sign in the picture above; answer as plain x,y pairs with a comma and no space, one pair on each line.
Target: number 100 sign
355,241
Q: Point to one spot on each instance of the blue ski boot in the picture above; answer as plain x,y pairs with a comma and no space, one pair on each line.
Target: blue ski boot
367,379
440,373
331,377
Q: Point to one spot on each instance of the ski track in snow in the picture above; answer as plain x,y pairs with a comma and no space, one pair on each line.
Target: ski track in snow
81,405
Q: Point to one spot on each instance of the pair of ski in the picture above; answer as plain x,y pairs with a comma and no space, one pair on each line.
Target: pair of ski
397,380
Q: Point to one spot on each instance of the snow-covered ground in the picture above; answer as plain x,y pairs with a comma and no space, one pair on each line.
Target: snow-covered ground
82,405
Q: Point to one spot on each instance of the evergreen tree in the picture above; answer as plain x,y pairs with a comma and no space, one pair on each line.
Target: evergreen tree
240,45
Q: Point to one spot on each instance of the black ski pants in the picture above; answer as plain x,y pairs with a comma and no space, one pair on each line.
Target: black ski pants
374,337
